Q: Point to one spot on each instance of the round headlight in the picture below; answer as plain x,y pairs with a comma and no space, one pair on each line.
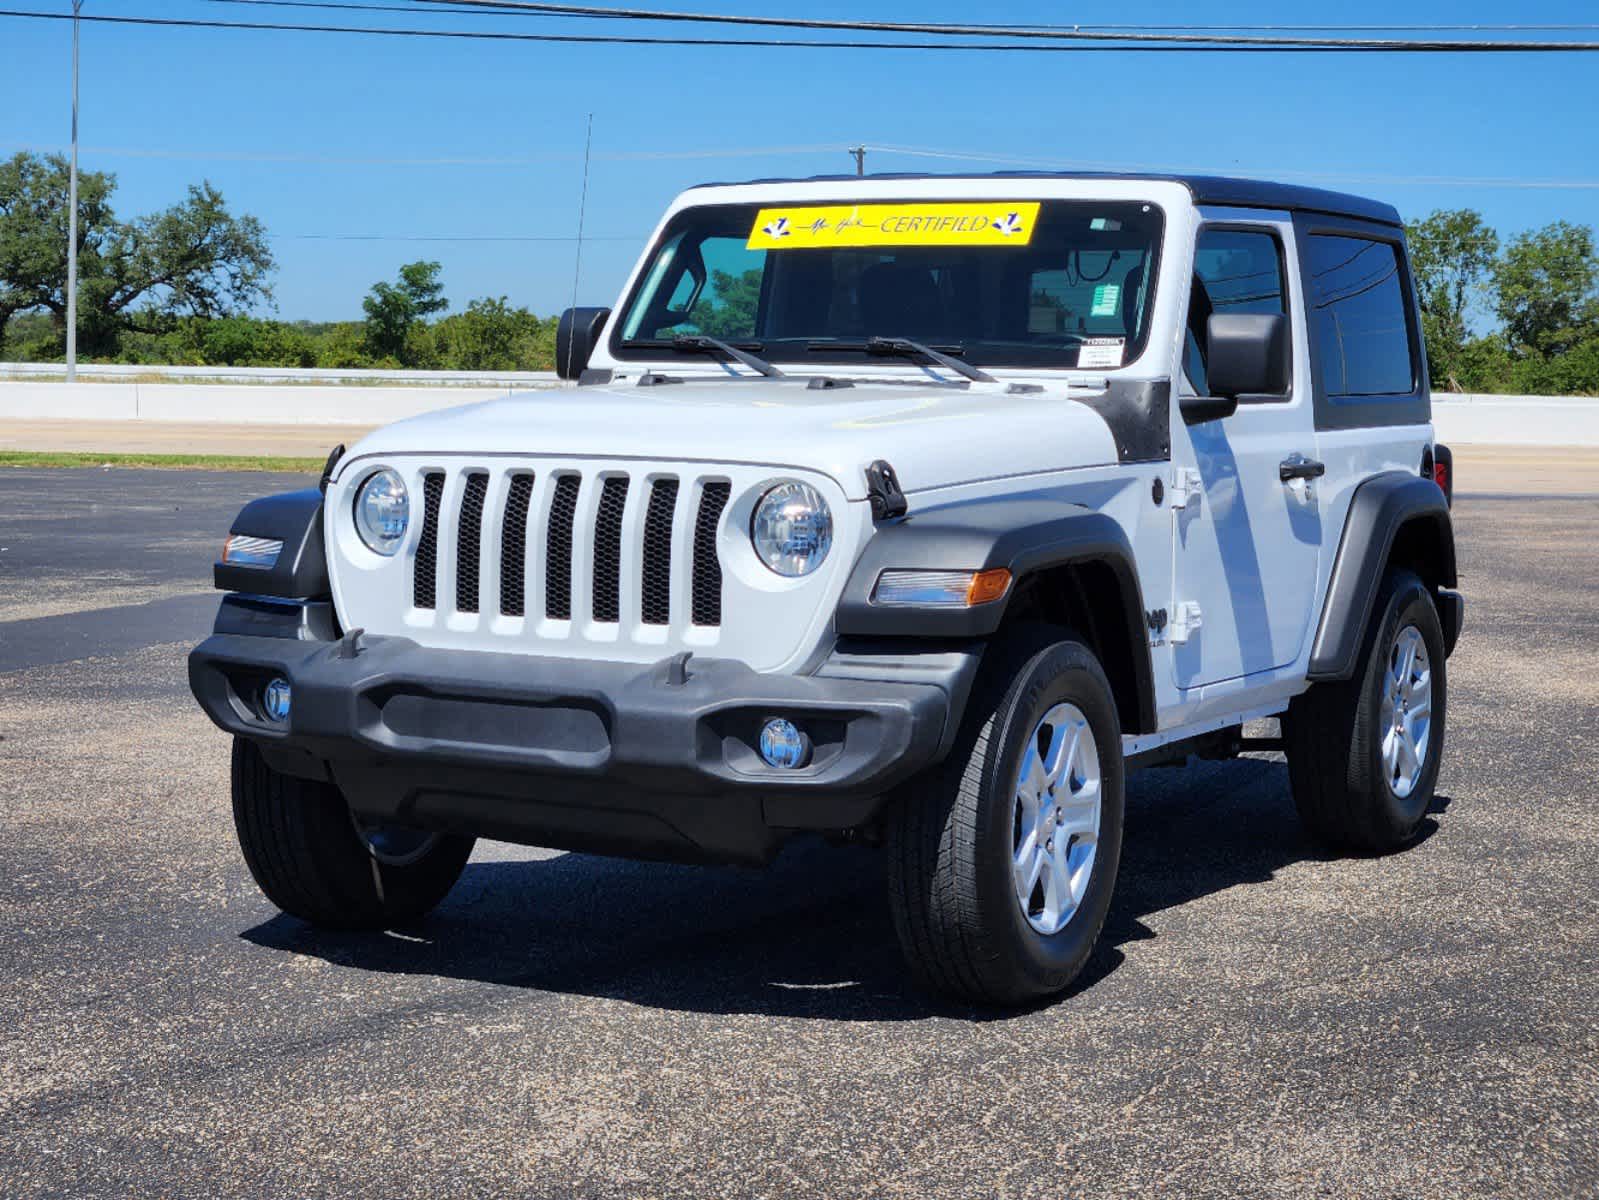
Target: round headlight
792,529
382,511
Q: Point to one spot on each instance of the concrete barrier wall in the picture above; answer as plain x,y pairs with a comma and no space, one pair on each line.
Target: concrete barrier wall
233,404
1517,420
1462,420
124,373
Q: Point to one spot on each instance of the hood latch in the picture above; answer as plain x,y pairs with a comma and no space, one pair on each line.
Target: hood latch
882,490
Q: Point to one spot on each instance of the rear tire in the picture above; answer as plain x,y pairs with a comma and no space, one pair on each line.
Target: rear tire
310,859
960,858
1363,754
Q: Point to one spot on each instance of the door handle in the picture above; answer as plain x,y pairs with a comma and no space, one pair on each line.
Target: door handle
1297,466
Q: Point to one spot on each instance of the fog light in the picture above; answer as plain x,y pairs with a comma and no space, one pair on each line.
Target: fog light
783,745
275,700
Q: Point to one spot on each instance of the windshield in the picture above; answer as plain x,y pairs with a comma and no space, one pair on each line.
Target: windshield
1027,283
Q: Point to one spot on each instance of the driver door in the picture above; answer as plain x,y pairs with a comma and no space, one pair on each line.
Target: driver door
1248,543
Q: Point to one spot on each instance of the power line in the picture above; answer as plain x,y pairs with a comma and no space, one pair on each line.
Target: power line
945,29
450,161
492,8
1140,44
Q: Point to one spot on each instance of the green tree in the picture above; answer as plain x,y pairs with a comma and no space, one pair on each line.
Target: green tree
1453,253
729,310
491,335
1546,280
192,259
393,309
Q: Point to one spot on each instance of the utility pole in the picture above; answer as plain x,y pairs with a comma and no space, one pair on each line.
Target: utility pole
72,214
860,159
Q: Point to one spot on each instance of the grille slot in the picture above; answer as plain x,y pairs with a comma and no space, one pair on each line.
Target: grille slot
656,598
706,608
513,546
425,583
469,542
558,550
608,549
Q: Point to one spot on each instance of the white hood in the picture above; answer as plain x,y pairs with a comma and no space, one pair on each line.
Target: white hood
934,436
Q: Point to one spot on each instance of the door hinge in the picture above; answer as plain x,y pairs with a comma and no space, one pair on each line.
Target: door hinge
1157,626
1187,619
1186,486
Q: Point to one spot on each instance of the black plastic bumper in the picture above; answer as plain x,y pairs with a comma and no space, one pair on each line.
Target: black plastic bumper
607,757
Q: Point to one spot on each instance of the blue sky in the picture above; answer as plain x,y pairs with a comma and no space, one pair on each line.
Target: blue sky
164,107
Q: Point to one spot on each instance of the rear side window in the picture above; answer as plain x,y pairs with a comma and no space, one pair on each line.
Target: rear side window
1235,271
1357,316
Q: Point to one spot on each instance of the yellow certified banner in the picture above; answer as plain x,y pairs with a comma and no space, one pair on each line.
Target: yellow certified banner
910,224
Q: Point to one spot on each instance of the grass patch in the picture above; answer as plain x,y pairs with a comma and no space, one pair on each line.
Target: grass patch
191,462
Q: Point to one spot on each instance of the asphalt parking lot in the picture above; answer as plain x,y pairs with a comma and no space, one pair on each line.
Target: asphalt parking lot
1260,1020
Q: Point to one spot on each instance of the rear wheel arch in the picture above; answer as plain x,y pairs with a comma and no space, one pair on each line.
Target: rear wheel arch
1395,520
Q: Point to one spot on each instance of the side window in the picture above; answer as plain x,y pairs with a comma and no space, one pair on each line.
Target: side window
1235,271
1357,317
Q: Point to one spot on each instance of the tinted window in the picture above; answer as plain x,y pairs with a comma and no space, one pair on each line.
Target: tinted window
1079,286
1357,316
1235,271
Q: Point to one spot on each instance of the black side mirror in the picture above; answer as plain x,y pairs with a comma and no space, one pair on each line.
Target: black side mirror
1247,354
576,335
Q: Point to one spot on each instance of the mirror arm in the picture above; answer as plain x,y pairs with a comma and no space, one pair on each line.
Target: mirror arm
1196,410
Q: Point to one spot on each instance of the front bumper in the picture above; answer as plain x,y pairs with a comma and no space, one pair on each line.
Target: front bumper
607,757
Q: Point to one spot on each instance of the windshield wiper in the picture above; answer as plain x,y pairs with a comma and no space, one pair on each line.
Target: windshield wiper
891,347
699,343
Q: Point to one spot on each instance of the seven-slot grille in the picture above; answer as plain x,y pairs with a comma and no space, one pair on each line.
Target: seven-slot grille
628,562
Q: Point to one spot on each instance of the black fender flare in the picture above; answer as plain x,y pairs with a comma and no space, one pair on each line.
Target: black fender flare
1025,534
301,571
1380,508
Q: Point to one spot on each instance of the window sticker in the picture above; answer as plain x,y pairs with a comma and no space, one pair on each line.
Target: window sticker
912,224
1107,300
1101,352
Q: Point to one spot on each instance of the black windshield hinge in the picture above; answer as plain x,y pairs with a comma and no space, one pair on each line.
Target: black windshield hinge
882,490
327,468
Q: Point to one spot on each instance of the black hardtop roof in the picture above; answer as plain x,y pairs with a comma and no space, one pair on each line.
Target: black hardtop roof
1206,189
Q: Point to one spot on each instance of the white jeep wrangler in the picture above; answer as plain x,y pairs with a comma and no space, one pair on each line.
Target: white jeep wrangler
902,509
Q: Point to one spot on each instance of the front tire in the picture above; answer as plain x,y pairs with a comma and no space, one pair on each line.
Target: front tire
314,861
1003,858
1363,754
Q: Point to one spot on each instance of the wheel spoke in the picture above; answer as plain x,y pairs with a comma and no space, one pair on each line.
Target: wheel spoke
1026,850
1408,759
1080,810
1419,685
1420,710
1390,753
1028,876
1058,889
1063,750
1034,778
